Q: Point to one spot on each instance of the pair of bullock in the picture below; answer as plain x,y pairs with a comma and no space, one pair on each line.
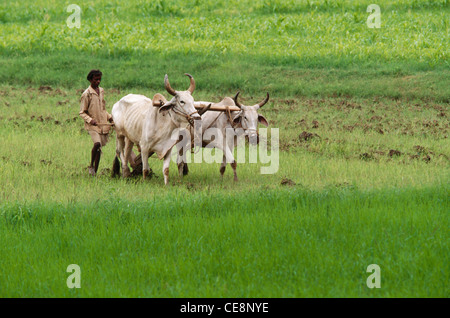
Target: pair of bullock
138,121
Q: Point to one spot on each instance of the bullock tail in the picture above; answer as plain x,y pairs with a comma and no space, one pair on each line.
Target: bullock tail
116,168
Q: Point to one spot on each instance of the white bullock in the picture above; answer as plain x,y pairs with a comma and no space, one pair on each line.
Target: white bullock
137,121
246,119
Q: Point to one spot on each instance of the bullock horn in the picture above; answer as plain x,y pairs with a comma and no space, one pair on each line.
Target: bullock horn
236,101
264,101
204,109
192,84
169,89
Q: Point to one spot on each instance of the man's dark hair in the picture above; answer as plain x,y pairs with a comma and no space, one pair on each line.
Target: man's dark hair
93,73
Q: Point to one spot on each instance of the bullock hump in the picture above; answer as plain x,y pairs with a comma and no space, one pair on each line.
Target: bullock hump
131,99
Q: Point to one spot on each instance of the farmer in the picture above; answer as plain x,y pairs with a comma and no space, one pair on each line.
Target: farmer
96,118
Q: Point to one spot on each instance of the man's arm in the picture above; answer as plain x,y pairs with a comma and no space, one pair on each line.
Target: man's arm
84,106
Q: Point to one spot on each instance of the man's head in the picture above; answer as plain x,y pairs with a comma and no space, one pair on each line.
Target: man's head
94,77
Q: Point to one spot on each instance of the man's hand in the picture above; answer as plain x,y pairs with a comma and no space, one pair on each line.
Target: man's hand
93,122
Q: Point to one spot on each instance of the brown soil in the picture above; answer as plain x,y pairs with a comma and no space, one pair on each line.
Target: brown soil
305,136
288,182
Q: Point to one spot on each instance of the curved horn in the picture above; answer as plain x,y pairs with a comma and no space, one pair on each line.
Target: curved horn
192,84
236,101
264,101
169,89
204,109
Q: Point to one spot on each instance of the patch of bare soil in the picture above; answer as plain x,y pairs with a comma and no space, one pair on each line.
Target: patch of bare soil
287,182
420,149
379,130
71,119
62,102
375,118
394,152
427,158
45,88
315,124
366,156
46,162
191,186
306,136
348,127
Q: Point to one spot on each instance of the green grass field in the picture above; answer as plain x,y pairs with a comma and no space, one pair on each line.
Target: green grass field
364,153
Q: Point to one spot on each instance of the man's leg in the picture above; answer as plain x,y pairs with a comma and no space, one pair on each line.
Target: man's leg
95,158
103,141
95,152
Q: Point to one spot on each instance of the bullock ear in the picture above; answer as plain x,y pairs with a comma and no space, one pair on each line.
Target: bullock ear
263,120
237,119
165,108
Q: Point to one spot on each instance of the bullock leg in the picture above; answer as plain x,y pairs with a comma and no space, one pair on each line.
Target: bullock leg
120,149
229,158
234,165
115,172
183,169
183,146
146,171
126,155
180,162
223,166
166,167
182,165
144,159
132,160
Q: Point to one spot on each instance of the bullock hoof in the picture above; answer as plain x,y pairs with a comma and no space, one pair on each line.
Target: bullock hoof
183,169
166,176
92,171
235,179
145,174
126,172
180,169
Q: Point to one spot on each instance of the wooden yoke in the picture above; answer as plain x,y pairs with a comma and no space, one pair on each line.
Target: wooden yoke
159,100
218,107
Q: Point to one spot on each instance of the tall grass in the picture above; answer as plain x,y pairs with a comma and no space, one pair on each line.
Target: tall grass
363,175
263,244
290,48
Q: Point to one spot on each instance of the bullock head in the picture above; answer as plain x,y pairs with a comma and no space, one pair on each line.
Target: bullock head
182,102
248,118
